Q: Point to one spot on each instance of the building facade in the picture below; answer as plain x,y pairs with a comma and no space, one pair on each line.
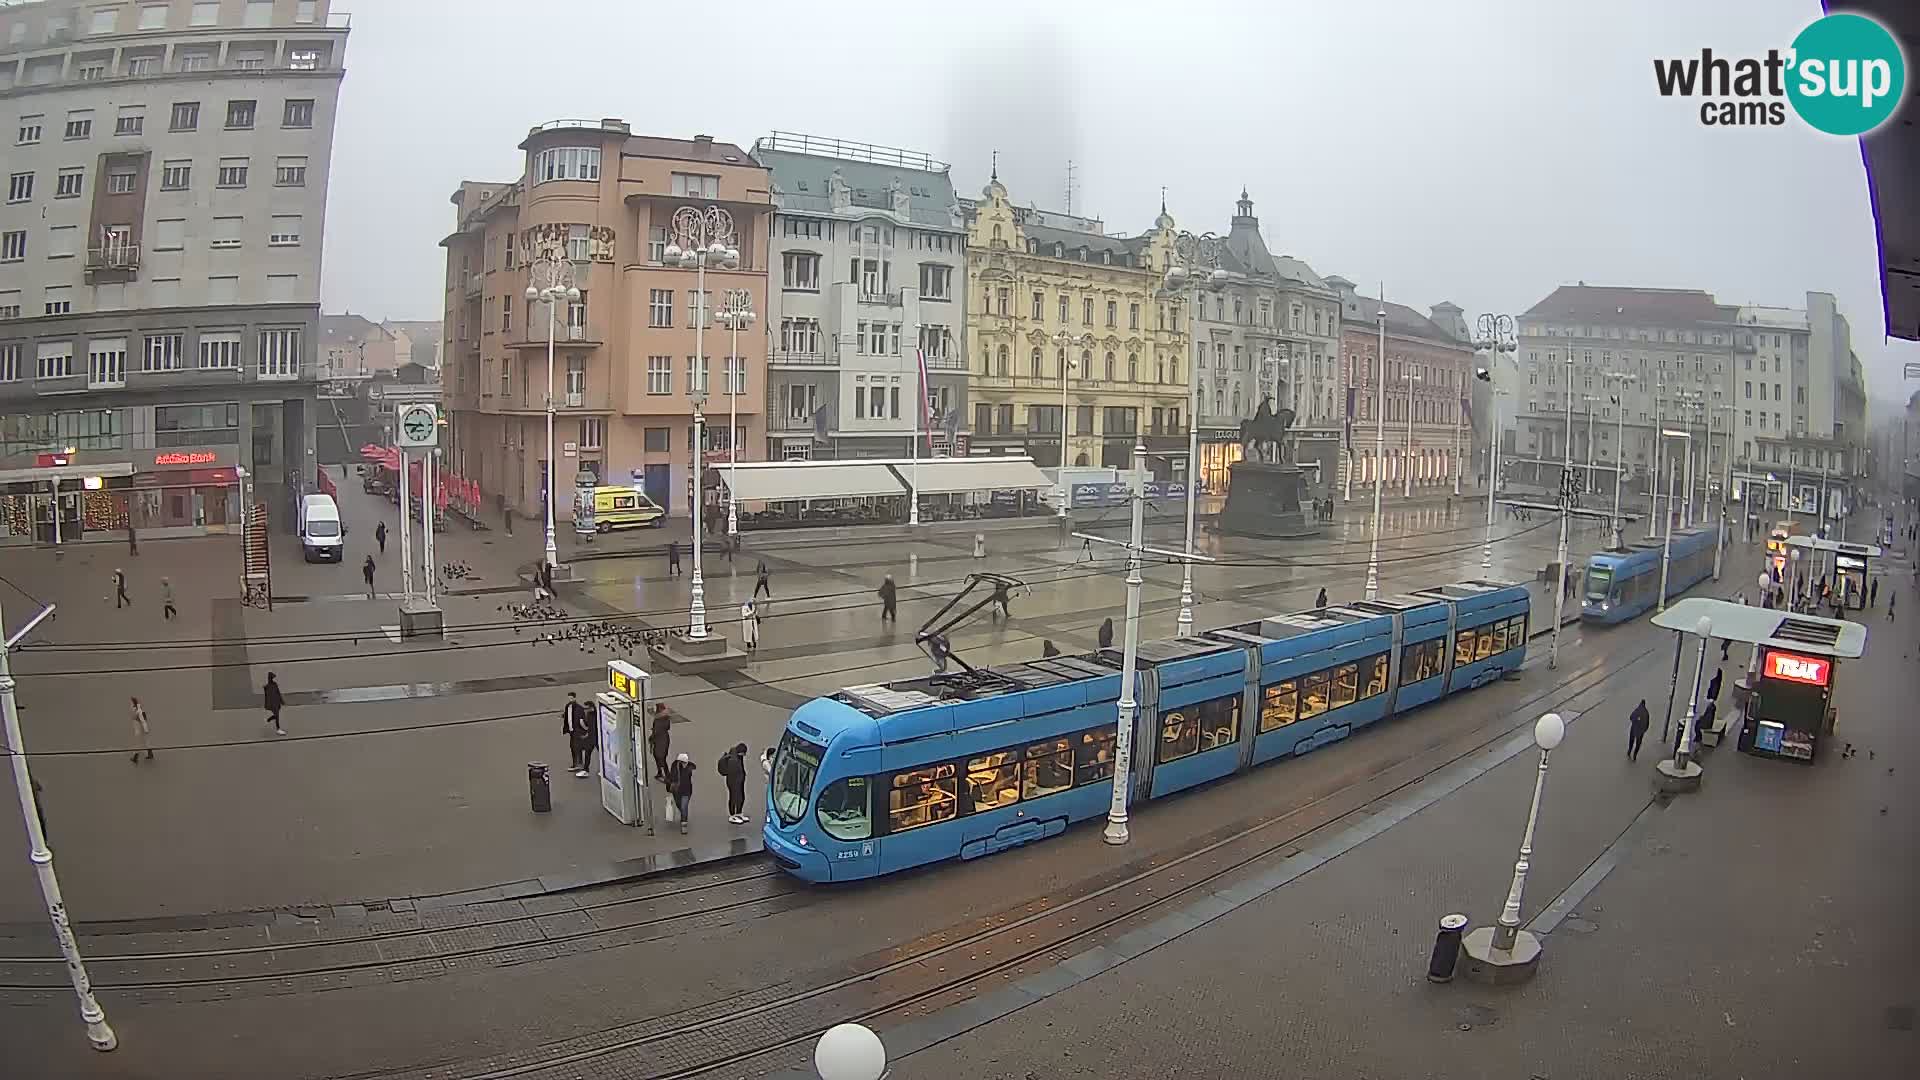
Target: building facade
867,273
1429,366
1800,425
1273,324
1636,362
160,260
1068,328
602,200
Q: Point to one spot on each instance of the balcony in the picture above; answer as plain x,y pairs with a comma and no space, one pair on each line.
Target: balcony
786,423
946,363
471,287
112,263
784,358
881,299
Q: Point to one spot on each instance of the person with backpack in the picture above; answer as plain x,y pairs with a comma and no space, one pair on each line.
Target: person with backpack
680,787
732,768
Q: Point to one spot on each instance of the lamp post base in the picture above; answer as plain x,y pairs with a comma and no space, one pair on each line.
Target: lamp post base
679,653
1500,967
1676,778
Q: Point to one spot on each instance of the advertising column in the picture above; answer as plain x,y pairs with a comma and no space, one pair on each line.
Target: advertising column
623,779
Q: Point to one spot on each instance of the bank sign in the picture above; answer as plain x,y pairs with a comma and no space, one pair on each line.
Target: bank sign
1844,74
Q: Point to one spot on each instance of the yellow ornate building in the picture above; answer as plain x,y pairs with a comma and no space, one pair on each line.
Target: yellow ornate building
1054,294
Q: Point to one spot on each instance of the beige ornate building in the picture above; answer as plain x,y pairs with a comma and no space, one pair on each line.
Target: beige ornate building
1059,305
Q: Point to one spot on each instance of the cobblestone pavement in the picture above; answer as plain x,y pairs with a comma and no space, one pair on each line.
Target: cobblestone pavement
1760,928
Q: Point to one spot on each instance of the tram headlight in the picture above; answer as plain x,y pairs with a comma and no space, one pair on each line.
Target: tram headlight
803,839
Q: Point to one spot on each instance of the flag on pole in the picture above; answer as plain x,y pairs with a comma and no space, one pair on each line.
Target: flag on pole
925,395
1350,398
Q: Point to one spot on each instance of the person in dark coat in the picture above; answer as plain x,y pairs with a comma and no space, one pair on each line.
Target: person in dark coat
1106,634
270,693
1637,724
673,558
1713,685
1001,597
380,536
760,584
659,738
680,787
133,540
733,769
1704,722
1320,602
1873,593
578,727
366,571
120,597
888,593
546,577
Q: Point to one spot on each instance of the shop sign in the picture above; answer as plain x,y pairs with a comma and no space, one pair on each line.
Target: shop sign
174,459
1789,667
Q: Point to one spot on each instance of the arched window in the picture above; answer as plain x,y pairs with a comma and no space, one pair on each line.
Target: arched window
1236,401
1109,367
1000,365
1133,367
1034,363
1219,402
996,234
1060,361
1086,363
1173,371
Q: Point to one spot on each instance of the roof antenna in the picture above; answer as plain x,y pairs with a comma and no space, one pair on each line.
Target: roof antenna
996,165
1069,187
1163,198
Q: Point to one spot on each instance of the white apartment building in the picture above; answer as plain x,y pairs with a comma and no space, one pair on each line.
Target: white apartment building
166,179
1800,397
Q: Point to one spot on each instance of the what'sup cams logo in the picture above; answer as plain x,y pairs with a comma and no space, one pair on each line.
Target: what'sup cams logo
1844,75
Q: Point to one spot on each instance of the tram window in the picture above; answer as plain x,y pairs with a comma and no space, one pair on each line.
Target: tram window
1376,675
844,812
1219,721
1179,733
1517,632
1048,768
923,797
1420,660
1093,756
1346,684
1313,695
1278,706
1463,648
1483,641
993,781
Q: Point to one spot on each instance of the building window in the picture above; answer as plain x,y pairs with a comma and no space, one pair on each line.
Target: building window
576,317
1113,313
579,244
69,183
660,375
13,245
176,175
698,311
800,336
232,174
165,352
9,363
186,116
285,231
55,360
107,363
936,281
79,124
1086,311
695,185
657,244
566,163
29,132
298,113
239,115
290,172
219,352
1133,316
59,300
736,376
1004,298
1063,307
259,13
120,182
19,187
800,270
279,354
660,308
129,123
9,303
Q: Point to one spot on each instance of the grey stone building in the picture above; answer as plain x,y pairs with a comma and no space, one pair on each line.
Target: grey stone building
160,251
867,265
1799,409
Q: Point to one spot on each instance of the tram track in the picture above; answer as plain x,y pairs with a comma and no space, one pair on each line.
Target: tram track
736,1032
351,954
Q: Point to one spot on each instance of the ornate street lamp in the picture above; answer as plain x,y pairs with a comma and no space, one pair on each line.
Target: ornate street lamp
549,278
701,237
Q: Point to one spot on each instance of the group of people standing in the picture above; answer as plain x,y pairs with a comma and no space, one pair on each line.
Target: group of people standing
673,771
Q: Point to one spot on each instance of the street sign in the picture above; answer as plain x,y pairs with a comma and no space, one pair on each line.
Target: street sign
419,426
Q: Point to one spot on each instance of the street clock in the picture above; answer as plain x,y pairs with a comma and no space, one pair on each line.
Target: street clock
419,426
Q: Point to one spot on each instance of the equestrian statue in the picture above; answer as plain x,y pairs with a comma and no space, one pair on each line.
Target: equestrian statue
1264,437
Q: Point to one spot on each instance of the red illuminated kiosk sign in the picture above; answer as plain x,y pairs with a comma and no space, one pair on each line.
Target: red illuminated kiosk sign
1790,667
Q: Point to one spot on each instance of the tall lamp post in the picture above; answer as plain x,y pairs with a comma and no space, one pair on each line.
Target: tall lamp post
1495,336
1406,467
1202,253
736,314
1379,447
1064,342
549,278
1569,488
1619,447
1659,449
700,237
1503,952
1493,463
1666,546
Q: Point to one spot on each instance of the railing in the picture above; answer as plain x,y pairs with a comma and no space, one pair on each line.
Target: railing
946,363
781,357
472,285
794,143
114,257
884,299
783,421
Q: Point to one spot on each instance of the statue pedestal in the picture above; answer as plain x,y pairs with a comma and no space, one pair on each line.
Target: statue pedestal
1263,499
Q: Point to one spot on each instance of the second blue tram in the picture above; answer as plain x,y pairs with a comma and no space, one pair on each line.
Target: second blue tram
881,778
1622,584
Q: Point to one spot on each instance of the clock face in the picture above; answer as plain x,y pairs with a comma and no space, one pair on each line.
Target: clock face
418,425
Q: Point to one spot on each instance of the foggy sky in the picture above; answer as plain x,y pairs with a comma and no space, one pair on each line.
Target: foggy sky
1478,151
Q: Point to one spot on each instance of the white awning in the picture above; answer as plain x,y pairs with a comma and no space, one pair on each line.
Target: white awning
949,476
45,473
777,480
1766,626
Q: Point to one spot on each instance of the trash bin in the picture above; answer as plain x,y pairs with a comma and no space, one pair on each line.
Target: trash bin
1446,948
979,545
539,790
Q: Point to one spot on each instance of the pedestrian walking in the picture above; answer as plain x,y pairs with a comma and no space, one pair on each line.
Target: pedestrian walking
1106,634
539,581
1703,723
120,597
380,536
680,786
275,702
766,763
887,596
506,512
750,624
733,769
167,610
760,584
673,558
577,725
1001,597
1725,644
1713,684
1873,593
133,541
366,571
1320,602
140,731
1891,597
546,578
1637,724
659,738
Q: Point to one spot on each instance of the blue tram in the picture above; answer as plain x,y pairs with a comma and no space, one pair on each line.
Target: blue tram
1622,584
881,778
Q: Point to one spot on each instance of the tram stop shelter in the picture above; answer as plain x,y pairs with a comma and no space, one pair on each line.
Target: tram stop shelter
1786,697
1852,564
795,482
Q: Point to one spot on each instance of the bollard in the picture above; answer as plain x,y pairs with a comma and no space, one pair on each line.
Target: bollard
1446,948
539,791
979,545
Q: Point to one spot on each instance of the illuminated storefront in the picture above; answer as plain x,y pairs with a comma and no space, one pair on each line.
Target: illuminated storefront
175,491
1215,461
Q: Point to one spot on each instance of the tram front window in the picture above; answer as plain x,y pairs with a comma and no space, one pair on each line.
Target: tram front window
794,768
1599,580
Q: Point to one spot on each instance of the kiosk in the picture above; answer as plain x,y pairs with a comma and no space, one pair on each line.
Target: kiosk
623,780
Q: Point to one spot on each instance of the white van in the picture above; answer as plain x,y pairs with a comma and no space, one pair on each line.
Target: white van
322,536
